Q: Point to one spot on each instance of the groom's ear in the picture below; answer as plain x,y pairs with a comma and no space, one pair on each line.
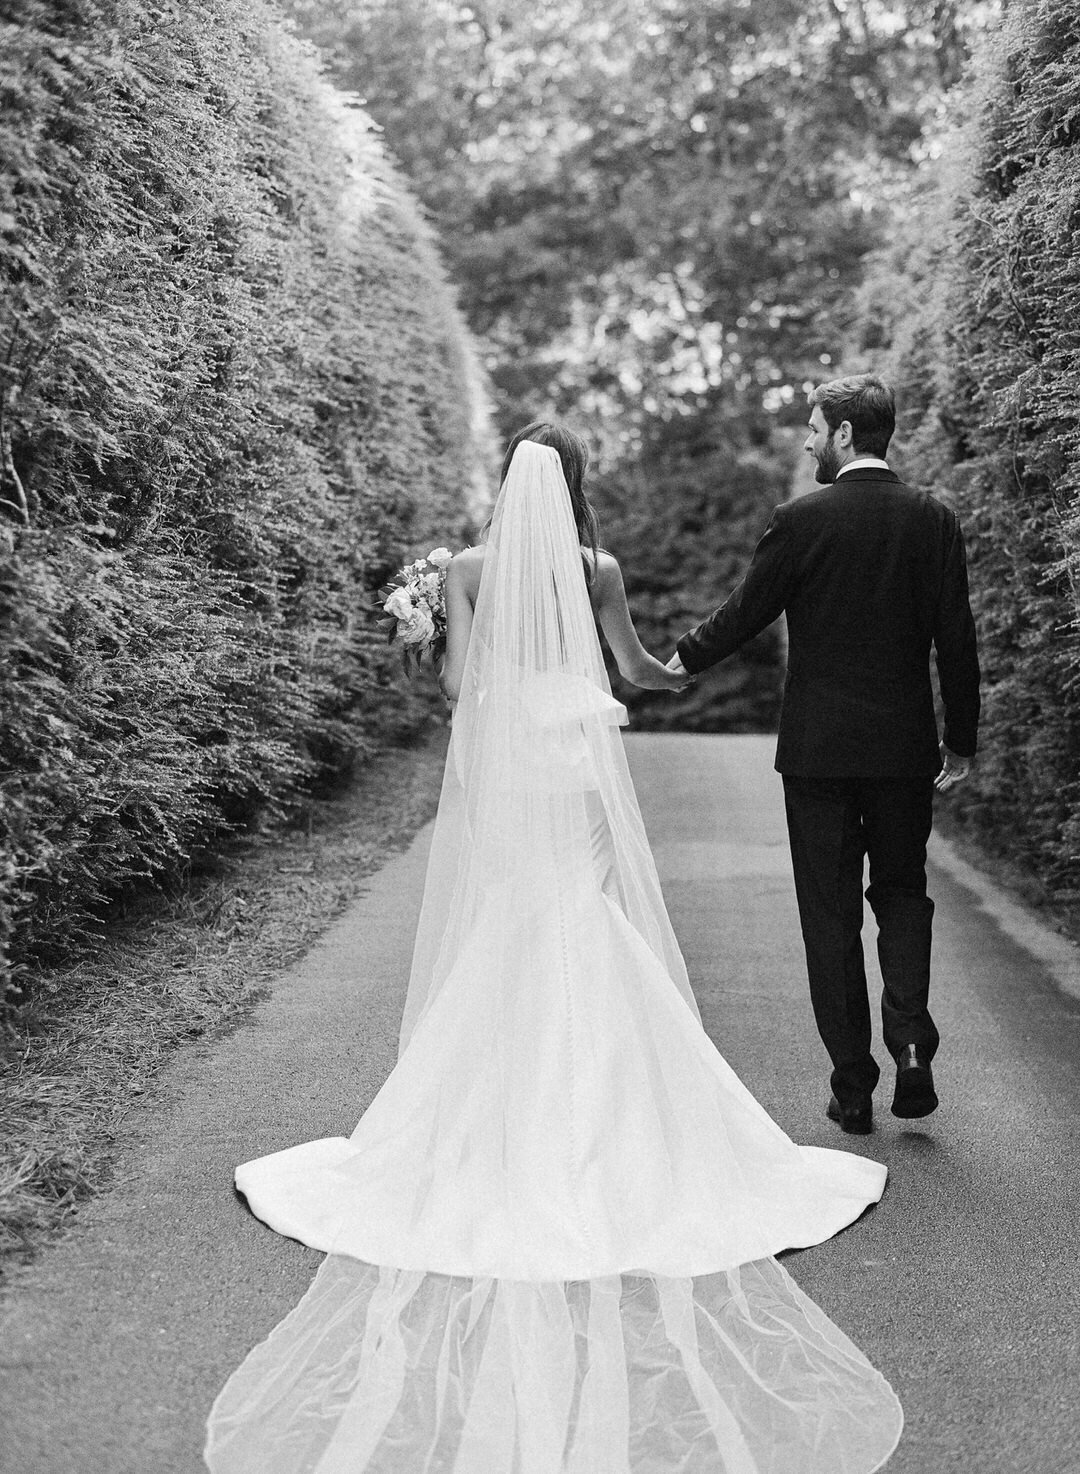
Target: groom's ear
844,434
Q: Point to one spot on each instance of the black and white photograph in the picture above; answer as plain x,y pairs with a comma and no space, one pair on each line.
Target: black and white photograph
539,736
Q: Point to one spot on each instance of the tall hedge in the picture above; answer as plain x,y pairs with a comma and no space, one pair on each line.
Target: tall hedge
235,393
975,312
684,522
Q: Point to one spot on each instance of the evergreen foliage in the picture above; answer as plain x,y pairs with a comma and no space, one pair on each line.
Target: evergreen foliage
975,312
656,212
683,522
235,395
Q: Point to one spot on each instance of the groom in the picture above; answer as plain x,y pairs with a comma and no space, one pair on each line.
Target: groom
870,573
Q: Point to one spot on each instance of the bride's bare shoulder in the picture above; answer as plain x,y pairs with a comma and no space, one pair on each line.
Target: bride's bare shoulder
468,564
608,572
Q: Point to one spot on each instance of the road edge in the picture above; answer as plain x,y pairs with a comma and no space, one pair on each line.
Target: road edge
1057,953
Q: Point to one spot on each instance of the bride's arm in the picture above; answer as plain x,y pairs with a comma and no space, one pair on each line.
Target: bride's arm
634,661
459,616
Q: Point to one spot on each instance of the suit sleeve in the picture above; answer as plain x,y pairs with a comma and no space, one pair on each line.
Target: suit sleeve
751,607
956,651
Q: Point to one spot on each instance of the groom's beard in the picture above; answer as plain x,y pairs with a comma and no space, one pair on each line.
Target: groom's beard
828,464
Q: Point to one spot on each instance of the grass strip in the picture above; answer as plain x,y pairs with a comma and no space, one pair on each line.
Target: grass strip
171,968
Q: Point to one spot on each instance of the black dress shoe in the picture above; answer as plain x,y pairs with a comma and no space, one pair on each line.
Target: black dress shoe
915,1095
855,1120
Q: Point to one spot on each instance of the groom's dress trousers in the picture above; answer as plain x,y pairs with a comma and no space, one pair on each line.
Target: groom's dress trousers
871,575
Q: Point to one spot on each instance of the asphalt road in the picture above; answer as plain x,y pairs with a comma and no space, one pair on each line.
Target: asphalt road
961,1285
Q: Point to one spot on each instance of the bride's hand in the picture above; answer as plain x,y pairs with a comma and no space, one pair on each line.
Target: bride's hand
677,669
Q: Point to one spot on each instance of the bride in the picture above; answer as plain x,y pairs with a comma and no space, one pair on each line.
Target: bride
550,1240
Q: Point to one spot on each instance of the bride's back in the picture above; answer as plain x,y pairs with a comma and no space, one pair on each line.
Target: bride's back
603,565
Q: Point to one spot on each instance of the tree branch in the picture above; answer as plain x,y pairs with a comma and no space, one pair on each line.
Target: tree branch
8,472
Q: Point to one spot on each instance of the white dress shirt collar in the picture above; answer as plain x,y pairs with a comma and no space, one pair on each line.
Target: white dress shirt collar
861,462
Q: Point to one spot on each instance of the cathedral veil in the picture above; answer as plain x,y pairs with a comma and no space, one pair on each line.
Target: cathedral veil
536,776
550,1238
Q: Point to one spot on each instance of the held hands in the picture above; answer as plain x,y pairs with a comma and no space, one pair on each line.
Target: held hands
955,770
677,668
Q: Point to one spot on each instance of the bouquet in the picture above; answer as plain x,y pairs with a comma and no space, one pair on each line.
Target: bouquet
416,604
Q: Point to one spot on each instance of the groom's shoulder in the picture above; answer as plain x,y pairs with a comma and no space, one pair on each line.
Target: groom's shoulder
927,502
843,496
807,504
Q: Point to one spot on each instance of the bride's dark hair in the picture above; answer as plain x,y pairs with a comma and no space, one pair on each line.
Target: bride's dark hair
574,454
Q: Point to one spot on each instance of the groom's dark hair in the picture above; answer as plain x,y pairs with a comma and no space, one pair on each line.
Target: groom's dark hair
868,405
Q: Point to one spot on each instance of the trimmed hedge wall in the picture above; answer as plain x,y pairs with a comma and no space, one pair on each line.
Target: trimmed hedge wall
684,523
975,313
236,393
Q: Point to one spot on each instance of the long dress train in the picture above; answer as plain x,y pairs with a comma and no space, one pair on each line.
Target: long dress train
550,1238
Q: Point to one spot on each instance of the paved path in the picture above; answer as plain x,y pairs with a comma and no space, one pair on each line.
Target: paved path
962,1285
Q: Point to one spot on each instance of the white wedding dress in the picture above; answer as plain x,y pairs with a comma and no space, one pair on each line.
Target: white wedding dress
551,1235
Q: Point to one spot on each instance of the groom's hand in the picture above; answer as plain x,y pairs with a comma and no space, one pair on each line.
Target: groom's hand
955,769
676,665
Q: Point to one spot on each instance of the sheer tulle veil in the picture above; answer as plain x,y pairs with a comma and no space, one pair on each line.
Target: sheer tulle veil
550,1238
536,763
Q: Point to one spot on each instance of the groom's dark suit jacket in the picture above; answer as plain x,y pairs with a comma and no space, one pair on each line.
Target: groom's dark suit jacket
870,573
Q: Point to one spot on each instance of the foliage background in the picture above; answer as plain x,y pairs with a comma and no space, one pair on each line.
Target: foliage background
974,310
657,212
235,392
669,217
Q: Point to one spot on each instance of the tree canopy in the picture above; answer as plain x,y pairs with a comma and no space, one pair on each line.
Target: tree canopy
649,206
656,212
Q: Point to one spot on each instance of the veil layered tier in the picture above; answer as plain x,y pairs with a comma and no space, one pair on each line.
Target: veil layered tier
551,1235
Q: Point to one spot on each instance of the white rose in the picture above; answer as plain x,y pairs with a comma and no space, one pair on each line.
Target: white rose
440,557
399,604
429,586
420,628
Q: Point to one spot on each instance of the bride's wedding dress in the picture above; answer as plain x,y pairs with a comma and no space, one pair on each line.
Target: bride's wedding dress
550,1239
